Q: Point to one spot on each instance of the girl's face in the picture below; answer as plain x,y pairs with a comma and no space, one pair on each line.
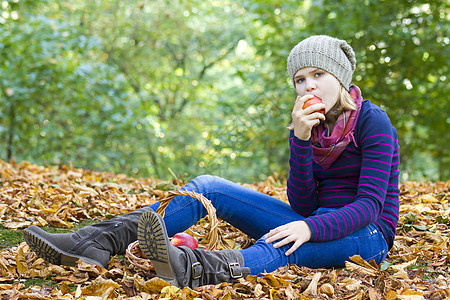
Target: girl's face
317,82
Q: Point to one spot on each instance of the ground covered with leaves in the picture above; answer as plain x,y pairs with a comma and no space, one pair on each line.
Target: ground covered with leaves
418,266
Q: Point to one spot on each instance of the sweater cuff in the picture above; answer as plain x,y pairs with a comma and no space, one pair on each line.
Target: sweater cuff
302,144
314,231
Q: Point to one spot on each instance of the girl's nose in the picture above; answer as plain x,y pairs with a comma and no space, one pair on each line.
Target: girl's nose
310,85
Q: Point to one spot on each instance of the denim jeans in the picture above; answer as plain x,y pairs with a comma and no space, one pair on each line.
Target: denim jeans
255,214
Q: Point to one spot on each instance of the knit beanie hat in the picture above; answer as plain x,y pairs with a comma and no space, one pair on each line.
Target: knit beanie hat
321,51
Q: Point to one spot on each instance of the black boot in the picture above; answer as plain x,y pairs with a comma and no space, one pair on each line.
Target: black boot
182,266
93,244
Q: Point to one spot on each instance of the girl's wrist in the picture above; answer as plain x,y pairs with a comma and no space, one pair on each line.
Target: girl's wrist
304,136
307,230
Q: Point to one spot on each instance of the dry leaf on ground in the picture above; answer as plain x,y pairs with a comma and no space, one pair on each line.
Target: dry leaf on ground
418,266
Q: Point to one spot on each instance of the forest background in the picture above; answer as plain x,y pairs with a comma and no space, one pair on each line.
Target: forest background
201,87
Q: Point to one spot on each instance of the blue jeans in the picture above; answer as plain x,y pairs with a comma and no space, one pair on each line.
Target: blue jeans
255,214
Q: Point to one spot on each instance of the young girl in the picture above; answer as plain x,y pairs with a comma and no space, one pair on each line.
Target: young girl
342,191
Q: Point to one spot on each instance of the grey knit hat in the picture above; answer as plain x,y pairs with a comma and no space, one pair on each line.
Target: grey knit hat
321,51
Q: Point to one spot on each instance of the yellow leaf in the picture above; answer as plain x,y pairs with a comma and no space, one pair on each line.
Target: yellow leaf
274,294
58,270
169,291
410,297
154,285
78,292
6,287
258,290
391,295
374,294
21,262
360,261
40,273
312,287
428,198
350,284
411,292
226,296
41,221
105,288
270,280
360,269
43,211
17,225
355,296
6,269
3,208
403,265
290,292
189,294
327,289
65,289
57,222
36,201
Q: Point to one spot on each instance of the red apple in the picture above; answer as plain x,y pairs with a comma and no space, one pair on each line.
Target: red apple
313,100
184,239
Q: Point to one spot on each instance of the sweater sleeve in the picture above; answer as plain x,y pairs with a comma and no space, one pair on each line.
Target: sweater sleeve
301,185
377,142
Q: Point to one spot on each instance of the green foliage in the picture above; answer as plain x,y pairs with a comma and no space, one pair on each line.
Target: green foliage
10,238
58,106
201,86
402,49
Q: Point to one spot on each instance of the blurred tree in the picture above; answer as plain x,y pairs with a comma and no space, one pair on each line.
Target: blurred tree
56,105
402,52
165,51
201,87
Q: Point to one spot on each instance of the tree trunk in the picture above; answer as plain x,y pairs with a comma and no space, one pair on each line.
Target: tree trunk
11,131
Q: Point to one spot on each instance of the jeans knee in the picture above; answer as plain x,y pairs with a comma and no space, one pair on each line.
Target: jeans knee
204,183
205,178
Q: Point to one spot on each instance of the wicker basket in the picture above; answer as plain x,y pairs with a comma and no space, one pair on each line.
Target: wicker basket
134,253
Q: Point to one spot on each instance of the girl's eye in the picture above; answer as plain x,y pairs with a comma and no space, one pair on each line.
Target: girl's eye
318,74
300,80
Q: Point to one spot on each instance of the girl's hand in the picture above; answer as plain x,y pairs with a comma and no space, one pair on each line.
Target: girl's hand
305,119
297,232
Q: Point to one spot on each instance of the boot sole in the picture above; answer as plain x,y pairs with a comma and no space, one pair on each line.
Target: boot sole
154,242
51,253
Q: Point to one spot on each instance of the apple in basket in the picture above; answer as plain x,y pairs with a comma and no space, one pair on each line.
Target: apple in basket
184,239
181,239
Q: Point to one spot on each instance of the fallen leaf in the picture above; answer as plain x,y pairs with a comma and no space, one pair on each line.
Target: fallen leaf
312,288
154,285
416,267
106,288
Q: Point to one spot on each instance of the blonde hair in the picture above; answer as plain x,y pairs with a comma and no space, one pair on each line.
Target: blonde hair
345,100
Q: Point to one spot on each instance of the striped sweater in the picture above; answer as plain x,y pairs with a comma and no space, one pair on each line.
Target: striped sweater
362,183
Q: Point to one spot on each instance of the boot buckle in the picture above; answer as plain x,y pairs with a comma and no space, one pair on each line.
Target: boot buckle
233,268
197,270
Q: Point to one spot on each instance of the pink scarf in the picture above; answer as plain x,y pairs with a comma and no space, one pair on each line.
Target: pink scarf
326,149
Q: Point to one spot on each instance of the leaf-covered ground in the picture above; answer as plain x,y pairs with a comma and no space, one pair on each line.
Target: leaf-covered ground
418,266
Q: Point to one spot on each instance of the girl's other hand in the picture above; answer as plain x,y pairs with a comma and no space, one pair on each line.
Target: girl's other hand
305,119
296,232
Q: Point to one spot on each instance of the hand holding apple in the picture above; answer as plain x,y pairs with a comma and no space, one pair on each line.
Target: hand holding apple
305,118
312,101
308,103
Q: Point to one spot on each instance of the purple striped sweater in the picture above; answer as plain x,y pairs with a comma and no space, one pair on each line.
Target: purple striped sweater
362,183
